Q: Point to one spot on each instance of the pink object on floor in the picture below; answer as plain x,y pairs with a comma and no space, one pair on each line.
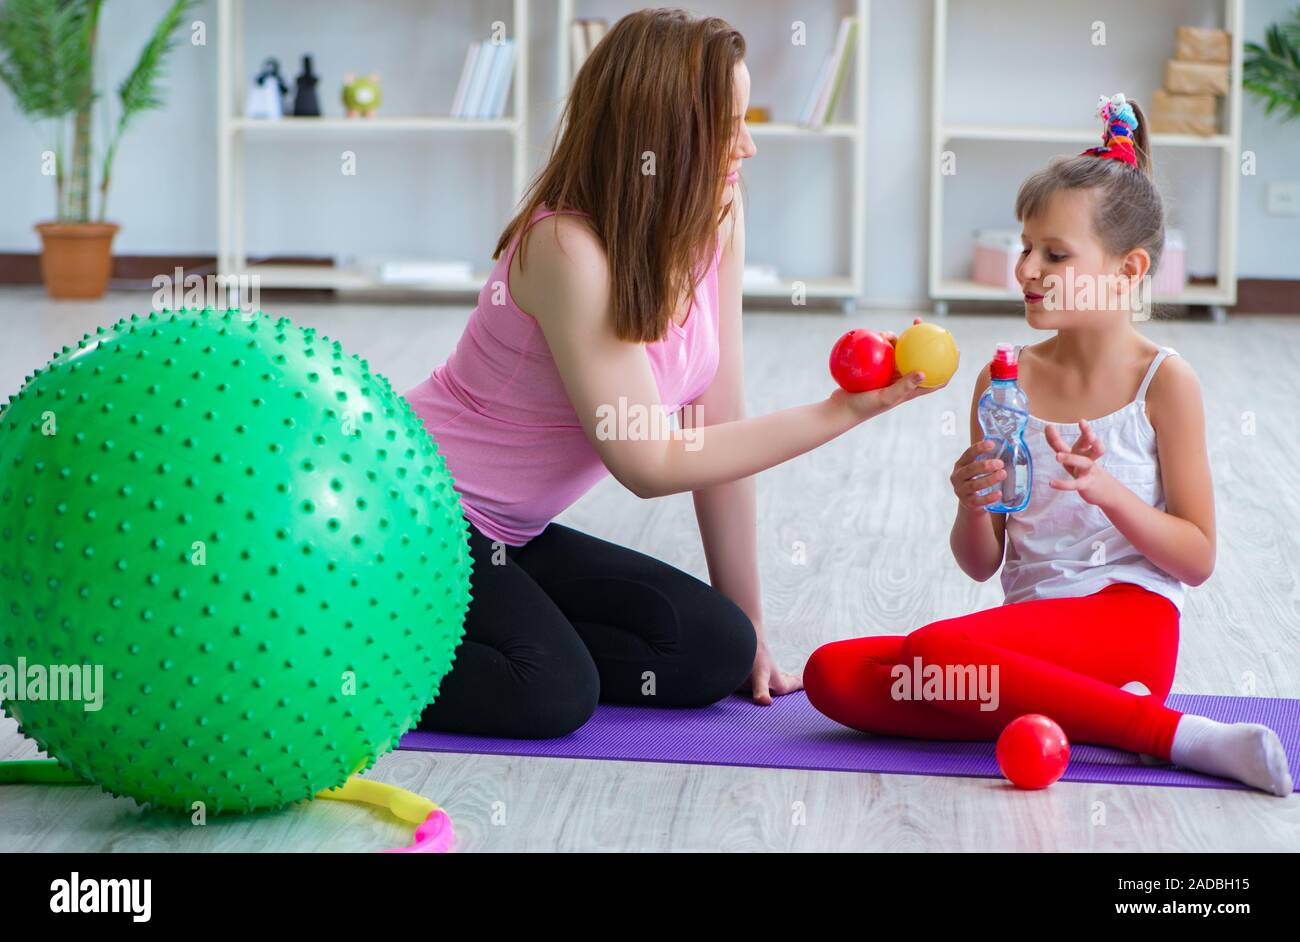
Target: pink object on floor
434,836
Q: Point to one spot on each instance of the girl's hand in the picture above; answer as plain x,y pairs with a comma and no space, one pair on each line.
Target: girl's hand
975,471
1093,482
767,679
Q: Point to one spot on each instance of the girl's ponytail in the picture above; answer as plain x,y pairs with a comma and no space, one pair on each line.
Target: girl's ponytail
1141,139
1124,137
1128,211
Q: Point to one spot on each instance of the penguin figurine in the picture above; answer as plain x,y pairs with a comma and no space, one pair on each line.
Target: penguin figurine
266,95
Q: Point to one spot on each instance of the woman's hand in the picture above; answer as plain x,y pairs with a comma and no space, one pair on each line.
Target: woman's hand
975,471
1092,482
901,389
873,402
767,679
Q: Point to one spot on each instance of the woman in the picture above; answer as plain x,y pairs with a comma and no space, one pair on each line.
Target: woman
629,306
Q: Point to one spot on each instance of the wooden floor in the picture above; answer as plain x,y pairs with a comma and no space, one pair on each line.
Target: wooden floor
870,513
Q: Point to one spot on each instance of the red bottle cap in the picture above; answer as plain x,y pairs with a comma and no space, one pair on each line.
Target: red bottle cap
1005,364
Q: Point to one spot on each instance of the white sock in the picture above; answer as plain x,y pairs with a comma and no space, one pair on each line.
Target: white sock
1247,752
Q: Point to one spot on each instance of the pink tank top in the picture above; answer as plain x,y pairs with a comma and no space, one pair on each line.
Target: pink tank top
502,417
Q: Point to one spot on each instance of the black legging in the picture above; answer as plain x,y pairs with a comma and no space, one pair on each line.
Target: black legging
568,619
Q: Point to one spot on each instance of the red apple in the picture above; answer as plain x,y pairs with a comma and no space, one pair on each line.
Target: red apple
862,360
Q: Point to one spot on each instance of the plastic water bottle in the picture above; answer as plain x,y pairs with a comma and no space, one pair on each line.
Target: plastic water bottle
1003,415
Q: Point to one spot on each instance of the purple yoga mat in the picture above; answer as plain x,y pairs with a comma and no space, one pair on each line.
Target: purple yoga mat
790,734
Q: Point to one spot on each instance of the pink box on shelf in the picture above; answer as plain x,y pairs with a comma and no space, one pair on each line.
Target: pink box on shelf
997,252
1171,277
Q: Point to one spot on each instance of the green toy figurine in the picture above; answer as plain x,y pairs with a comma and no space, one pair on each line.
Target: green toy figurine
361,96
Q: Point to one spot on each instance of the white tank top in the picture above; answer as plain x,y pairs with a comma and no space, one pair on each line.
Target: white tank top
1060,545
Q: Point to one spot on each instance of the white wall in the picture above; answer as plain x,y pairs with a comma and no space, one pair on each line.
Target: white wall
451,195
1270,245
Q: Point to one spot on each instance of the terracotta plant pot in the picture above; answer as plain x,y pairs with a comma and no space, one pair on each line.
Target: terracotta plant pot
77,258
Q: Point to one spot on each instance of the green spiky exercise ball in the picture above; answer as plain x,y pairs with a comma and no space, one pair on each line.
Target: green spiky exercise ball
255,538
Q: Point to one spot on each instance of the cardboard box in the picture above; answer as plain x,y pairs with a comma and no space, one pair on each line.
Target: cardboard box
1183,114
1195,78
1199,106
1195,44
1184,124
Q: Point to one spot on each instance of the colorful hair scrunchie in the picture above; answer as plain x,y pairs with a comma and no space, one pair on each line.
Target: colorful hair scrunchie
1117,138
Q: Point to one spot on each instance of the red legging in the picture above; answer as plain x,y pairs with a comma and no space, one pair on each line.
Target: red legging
1066,658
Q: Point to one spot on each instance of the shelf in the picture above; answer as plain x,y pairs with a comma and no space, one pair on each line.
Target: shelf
351,279
234,157
851,127
790,129
377,125
814,288
960,289
1221,149
989,132
347,279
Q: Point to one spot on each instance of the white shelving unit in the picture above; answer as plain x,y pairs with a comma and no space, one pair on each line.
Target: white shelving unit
233,130
846,288
942,134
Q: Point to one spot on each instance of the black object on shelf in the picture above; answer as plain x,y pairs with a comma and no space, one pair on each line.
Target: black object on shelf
271,70
305,102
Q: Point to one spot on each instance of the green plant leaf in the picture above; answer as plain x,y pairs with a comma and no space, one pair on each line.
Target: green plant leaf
1271,71
45,60
139,91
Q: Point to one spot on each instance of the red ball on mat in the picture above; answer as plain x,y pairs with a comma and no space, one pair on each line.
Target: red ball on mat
1033,751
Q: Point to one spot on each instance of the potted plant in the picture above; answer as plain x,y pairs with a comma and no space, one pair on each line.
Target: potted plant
1272,70
47,59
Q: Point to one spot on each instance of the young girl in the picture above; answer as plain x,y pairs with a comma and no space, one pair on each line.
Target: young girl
1121,516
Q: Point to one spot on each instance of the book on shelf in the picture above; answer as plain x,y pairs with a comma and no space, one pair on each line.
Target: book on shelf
413,271
485,80
819,108
806,116
760,276
583,36
462,87
498,87
477,80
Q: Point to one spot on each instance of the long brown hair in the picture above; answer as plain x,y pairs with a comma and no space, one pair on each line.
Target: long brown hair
1128,213
642,150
